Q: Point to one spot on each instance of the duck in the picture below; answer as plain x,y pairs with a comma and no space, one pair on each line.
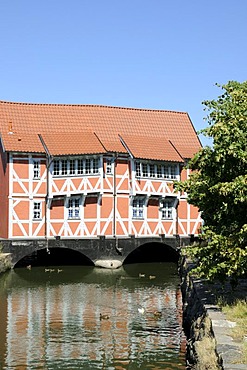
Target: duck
152,277
141,310
103,317
59,270
29,267
141,275
157,314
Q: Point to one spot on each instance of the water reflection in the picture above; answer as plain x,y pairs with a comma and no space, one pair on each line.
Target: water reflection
89,318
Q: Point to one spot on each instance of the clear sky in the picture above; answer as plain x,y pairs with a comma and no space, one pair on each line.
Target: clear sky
158,54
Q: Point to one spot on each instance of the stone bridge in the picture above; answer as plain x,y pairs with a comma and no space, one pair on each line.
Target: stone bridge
101,251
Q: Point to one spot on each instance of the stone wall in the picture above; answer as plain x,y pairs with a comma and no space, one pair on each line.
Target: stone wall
201,343
5,262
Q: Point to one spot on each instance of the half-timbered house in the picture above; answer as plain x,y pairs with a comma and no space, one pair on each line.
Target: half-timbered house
84,171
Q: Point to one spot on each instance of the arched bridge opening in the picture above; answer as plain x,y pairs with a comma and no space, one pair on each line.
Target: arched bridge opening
152,252
54,257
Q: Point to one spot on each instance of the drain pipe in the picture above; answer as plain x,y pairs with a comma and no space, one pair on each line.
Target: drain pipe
49,160
119,250
114,196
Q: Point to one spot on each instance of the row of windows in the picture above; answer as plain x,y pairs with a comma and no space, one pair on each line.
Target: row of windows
164,171
85,166
138,208
72,167
166,207
63,167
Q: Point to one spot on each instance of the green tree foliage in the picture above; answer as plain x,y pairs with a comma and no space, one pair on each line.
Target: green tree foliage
218,186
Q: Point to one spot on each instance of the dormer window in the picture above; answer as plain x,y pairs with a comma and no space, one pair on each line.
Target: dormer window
77,166
167,171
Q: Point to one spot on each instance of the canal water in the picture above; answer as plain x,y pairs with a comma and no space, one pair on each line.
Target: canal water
82,317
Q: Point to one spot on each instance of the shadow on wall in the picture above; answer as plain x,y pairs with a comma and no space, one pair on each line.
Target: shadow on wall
152,252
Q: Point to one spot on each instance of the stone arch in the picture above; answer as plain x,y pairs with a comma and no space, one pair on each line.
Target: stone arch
55,255
152,251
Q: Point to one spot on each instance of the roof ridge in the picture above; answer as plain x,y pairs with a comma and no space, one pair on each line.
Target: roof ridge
92,105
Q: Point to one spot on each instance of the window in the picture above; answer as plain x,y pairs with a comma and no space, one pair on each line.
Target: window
37,210
144,170
166,172
56,168
87,166
167,206
36,169
152,170
72,167
159,171
173,171
108,166
63,167
138,207
76,166
79,166
138,169
95,166
74,208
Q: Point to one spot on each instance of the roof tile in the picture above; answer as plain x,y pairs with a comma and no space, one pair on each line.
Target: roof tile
158,149
28,120
72,143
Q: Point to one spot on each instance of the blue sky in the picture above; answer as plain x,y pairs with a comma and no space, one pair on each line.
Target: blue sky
156,54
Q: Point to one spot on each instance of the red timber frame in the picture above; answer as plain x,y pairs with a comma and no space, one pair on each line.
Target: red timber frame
112,200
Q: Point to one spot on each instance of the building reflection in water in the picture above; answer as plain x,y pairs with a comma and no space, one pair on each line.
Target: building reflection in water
103,327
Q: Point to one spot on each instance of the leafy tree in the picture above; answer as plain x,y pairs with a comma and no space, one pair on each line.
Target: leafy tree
218,186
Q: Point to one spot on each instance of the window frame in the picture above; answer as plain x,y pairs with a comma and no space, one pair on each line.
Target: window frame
155,170
108,166
56,167
36,170
74,208
167,207
37,210
138,209
79,166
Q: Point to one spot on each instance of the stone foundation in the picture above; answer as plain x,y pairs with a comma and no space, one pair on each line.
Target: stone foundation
210,344
5,262
201,343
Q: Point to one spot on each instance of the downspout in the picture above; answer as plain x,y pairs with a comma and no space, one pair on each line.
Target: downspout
118,249
114,196
130,154
49,160
177,235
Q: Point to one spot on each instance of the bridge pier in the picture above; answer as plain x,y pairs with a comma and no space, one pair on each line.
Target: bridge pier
108,263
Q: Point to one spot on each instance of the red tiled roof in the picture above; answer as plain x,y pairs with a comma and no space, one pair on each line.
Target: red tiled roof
19,142
144,148
72,143
28,120
114,146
